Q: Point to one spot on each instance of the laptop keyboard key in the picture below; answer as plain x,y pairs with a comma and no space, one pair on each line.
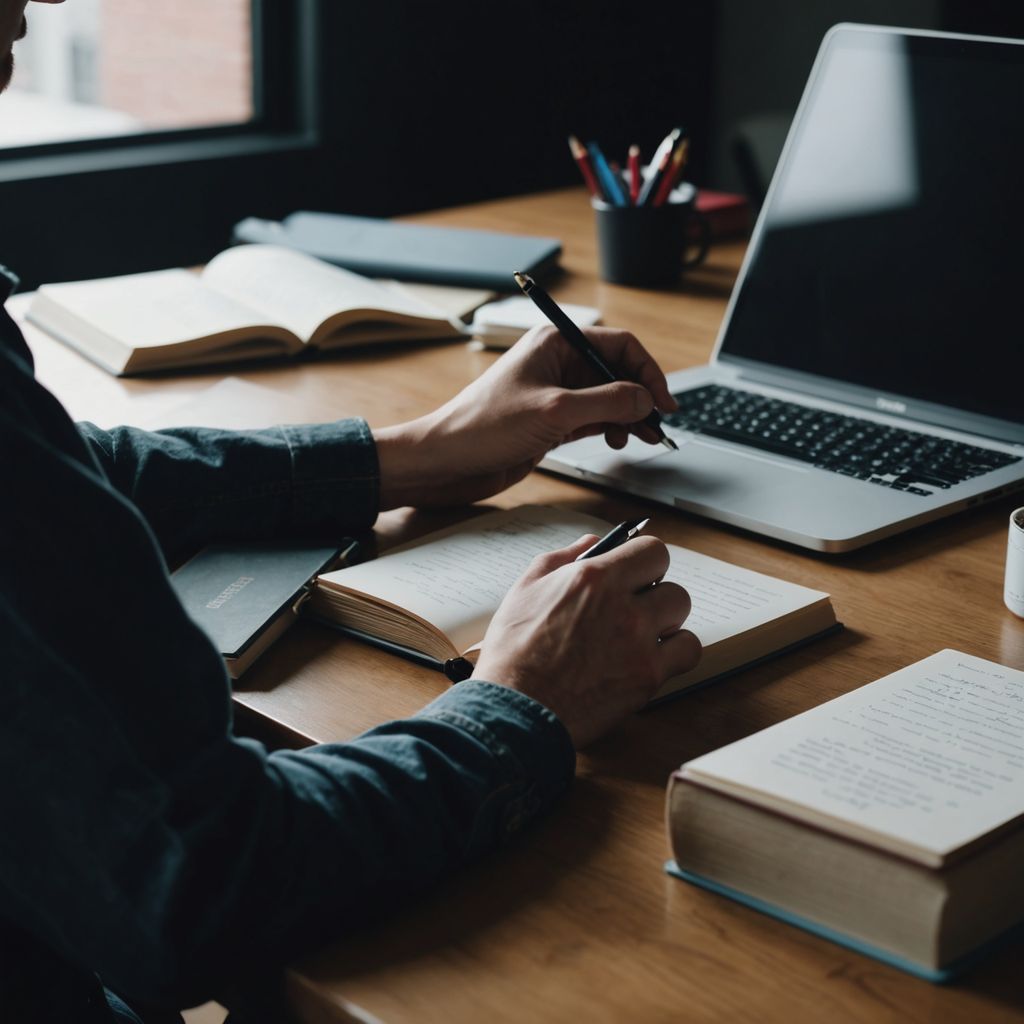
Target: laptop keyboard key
889,456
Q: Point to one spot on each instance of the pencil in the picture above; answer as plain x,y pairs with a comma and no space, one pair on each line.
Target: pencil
578,340
610,184
659,164
672,173
582,158
634,174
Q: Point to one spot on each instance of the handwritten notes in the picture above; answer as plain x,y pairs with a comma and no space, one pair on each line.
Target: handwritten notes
728,599
932,755
457,581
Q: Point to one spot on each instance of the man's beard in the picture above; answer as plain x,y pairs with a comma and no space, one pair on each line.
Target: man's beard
7,62
6,70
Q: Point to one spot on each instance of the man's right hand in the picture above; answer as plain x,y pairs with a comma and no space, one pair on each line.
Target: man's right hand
594,640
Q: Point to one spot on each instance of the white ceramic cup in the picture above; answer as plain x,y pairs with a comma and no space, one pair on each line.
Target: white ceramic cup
1013,589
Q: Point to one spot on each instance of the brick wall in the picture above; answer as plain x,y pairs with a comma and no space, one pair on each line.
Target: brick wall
176,63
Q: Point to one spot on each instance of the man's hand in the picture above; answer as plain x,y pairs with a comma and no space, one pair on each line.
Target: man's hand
594,640
538,395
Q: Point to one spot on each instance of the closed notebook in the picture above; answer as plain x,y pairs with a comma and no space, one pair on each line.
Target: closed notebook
245,596
409,252
501,324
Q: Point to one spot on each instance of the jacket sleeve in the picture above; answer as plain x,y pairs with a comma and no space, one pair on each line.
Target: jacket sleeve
196,485
151,845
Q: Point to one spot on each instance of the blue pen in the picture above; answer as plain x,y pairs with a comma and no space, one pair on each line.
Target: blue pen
610,183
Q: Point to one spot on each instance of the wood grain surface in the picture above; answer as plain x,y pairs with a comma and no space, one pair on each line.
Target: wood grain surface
576,920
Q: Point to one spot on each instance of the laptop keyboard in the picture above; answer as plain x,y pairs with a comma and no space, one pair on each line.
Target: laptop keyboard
903,459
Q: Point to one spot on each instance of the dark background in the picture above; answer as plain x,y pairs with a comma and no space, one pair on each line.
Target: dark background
427,105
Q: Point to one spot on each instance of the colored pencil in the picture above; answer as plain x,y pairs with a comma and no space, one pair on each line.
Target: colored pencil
672,173
610,184
634,174
659,164
582,158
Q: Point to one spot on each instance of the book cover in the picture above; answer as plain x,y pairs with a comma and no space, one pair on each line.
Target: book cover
409,252
236,591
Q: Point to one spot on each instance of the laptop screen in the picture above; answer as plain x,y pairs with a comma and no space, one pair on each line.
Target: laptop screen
890,253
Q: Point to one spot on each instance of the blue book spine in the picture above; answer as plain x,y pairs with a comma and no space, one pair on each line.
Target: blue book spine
935,975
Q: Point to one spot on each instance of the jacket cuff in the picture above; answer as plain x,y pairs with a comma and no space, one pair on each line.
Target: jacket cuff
335,475
530,744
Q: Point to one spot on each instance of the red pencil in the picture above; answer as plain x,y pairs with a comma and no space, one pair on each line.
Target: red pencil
582,159
672,173
634,174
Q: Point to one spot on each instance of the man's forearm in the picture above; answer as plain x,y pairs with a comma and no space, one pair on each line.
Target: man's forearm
196,485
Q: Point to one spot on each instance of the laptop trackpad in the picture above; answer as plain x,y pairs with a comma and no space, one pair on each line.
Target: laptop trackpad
701,471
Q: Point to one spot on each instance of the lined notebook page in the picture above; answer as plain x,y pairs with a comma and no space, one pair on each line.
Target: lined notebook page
921,762
457,579
728,599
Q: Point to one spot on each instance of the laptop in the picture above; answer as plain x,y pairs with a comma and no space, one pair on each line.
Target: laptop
869,373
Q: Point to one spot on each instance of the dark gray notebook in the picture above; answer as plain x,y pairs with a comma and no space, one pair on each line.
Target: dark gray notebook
236,592
409,252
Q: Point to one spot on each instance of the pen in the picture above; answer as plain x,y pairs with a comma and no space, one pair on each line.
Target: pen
578,340
623,532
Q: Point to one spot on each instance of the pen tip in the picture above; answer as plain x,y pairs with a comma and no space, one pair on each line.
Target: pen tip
670,444
523,280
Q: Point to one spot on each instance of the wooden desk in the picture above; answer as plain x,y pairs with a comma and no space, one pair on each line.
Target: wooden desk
576,921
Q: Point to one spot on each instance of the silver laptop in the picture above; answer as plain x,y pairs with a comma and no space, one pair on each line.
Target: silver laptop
869,372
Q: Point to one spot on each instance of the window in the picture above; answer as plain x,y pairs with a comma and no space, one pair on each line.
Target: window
100,68
137,132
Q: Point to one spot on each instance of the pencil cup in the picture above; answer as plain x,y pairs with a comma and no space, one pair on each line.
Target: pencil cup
645,246
1013,588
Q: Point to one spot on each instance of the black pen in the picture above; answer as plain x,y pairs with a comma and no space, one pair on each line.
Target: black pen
578,340
623,532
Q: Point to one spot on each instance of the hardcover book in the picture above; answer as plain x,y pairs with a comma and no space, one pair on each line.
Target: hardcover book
889,819
252,302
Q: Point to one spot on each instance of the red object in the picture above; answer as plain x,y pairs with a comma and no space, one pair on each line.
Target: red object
634,174
728,213
582,158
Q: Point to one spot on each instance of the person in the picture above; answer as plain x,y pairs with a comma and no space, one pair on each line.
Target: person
149,857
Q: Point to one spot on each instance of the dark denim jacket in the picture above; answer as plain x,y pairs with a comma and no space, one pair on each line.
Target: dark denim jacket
141,842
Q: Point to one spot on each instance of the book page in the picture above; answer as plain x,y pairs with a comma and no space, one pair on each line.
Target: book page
728,599
448,301
149,310
456,578
302,292
931,756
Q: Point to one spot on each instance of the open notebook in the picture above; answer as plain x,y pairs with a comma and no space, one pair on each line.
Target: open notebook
432,600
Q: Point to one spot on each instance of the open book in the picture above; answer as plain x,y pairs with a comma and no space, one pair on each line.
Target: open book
251,302
434,599
889,819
